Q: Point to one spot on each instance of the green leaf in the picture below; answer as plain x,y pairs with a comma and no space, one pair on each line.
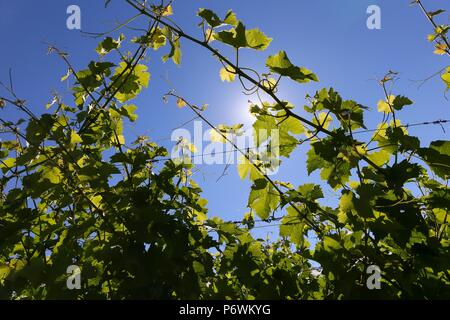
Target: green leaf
442,146
225,75
4,271
310,191
246,168
175,51
262,129
435,13
176,57
223,132
157,40
52,174
292,227
128,111
380,158
323,120
230,18
345,205
331,244
446,78
257,40
400,173
385,106
66,76
266,128
7,164
108,45
437,156
336,174
75,138
264,201
293,125
238,37
281,65
134,83
314,161
348,112
210,17
235,37
400,102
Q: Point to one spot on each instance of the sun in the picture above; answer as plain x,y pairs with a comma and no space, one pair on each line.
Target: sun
241,110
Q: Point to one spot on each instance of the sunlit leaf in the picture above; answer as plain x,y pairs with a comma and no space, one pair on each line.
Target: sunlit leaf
386,106
226,75
281,64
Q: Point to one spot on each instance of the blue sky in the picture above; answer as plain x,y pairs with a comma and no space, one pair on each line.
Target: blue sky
329,37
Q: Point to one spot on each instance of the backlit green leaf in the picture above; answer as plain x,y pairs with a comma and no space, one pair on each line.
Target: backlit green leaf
281,65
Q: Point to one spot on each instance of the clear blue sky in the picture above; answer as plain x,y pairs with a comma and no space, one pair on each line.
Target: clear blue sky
327,36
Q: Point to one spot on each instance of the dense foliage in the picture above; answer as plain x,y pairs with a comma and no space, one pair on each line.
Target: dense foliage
73,192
